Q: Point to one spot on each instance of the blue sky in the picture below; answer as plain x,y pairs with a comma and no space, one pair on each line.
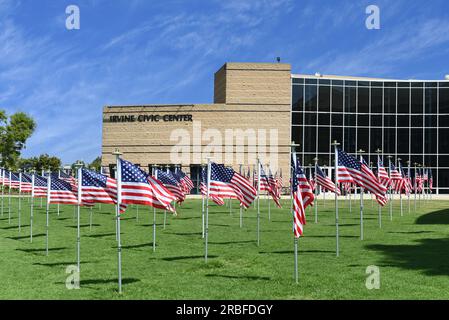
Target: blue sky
144,52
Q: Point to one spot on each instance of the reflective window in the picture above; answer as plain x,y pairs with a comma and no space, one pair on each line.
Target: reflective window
417,101
363,100
337,99
324,103
311,98
298,98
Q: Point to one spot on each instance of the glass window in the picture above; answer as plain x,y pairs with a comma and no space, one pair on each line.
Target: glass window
363,120
324,81
337,134
337,119
443,161
310,119
430,140
403,84
297,118
443,121
390,100
363,139
350,99
416,140
390,140
443,140
349,139
443,179
337,99
376,121
417,84
298,98
311,81
323,139
390,121
444,100
324,99
403,140
376,100
298,80
417,121
430,121
403,100
350,119
363,101
324,119
431,101
430,160
403,121
376,139
310,139
417,101
297,134
311,98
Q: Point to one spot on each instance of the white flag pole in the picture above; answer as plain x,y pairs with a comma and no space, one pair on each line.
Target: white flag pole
379,207
316,190
361,152
206,232
47,210
203,201
154,213
3,187
43,174
33,177
390,188
117,215
9,198
258,202
336,144
78,167
20,201
59,177
293,158
399,168
408,179
241,209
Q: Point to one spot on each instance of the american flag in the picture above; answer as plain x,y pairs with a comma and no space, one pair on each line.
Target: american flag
430,180
98,188
382,174
396,178
354,171
324,181
138,187
264,184
61,192
307,194
299,216
203,188
184,180
3,177
418,181
224,178
406,184
275,193
14,182
170,182
39,187
311,181
25,185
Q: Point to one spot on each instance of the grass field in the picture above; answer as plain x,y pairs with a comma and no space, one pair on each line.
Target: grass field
412,253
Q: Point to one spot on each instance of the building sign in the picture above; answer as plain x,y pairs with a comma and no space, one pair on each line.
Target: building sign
151,118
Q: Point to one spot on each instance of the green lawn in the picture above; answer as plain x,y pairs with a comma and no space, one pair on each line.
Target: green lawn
412,253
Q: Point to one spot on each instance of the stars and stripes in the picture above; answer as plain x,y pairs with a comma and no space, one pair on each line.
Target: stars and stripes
430,180
396,178
170,182
354,171
61,192
324,181
382,174
14,181
25,183
184,180
264,184
299,216
98,188
203,188
39,187
138,187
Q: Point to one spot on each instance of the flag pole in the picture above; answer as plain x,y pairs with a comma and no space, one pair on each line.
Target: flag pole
117,213
154,212
295,241
372,198
316,190
336,144
241,209
390,189
9,198
324,190
33,177
59,177
47,210
268,196
258,201
203,202
408,179
421,183
20,201
3,187
78,166
401,184
206,231
379,207
415,186
361,152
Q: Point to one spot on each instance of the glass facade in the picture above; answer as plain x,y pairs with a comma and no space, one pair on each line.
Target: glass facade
408,120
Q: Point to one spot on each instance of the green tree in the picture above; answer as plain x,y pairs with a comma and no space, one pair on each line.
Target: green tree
43,162
96,164
14,132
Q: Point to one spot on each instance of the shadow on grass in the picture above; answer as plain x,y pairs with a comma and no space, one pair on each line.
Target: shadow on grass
135,246
409,232
59,264
27,237
333,236
428,255
186,233
106,281
187,258
299,251
237,277
436,217
101,235
84,226
15,227
41,250
233,242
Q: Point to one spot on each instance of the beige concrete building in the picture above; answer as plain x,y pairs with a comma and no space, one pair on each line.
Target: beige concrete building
250,118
